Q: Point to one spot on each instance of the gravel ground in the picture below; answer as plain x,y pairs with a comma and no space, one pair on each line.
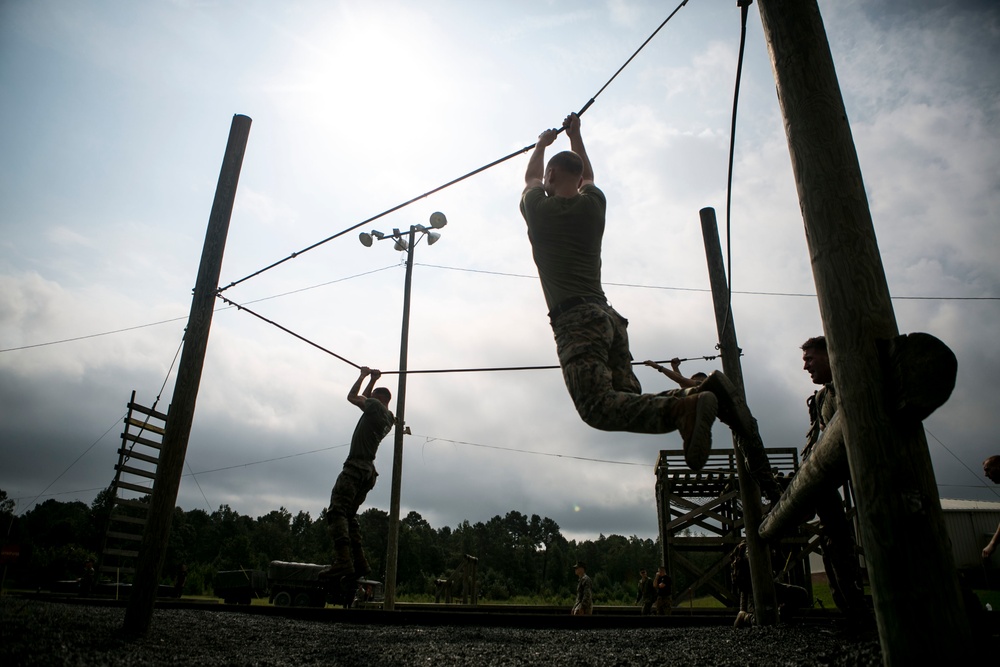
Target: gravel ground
34,632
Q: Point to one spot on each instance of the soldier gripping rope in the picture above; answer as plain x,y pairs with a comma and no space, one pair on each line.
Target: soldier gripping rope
565,215
358,476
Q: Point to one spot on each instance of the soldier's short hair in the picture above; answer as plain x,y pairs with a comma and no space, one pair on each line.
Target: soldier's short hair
567,161
817,343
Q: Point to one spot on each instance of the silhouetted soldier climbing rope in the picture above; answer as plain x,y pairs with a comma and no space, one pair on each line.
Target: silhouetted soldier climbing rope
565,214
358,476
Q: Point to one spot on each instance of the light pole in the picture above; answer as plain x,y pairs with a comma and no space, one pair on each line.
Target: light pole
402,244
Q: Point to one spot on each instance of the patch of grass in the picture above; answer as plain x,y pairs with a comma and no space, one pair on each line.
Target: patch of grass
822,592
706,602
991,597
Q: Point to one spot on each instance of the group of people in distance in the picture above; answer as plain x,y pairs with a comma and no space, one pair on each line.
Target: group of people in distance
565,216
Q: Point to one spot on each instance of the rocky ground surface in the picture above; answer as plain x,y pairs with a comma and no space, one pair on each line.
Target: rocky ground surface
39,632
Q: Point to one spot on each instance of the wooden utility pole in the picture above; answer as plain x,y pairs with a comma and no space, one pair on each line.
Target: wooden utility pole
761,573
914,583
139,611
392,548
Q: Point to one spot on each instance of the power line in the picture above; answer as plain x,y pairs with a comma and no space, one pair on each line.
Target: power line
493,273
705,289
288,331
92,445
961,462
96,335
254,463
429,439
178,319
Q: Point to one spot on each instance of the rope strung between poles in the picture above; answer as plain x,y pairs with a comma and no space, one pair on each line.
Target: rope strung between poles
286,330
451,182
744,6
423,372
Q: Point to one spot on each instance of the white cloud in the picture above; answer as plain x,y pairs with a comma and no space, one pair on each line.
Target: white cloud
358,109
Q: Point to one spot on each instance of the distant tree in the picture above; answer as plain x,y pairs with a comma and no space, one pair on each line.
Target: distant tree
308,545
420,556
231,539
375,538
8,522
271,538
56,533
6,505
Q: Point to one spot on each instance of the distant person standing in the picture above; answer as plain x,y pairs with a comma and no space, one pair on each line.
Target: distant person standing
358,476
646,595
664,592
584,605
991,468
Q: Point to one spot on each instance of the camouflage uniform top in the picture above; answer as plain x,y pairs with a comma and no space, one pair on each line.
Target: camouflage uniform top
822,406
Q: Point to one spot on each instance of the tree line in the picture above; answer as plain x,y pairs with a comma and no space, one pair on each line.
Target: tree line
519,556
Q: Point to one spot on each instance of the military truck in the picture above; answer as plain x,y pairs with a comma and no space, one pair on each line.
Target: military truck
239,586
295,585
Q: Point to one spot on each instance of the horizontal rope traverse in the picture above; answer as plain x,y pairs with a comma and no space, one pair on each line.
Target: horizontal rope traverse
491,369
454,181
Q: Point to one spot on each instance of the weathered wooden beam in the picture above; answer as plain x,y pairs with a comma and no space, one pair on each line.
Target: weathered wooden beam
826,468
747,447
902,524
139,611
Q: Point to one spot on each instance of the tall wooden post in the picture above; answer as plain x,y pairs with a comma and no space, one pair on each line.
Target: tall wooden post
139,611
761,574
914,583
392,548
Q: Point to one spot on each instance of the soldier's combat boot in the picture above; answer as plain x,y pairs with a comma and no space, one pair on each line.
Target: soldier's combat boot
361,567
693,416
342,563
733,410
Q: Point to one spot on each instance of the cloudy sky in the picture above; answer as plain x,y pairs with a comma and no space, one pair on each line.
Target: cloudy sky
113,122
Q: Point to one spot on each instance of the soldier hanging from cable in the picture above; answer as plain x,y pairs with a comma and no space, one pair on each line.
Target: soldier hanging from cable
358,476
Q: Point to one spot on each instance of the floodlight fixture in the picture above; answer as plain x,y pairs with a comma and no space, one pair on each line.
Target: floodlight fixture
401,245
438,220
432,238
366,239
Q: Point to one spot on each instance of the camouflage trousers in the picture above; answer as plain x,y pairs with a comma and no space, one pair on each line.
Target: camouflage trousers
592,344
349,492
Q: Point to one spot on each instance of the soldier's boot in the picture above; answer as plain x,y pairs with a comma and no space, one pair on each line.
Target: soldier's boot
361,567
733,410
342,563
693,416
